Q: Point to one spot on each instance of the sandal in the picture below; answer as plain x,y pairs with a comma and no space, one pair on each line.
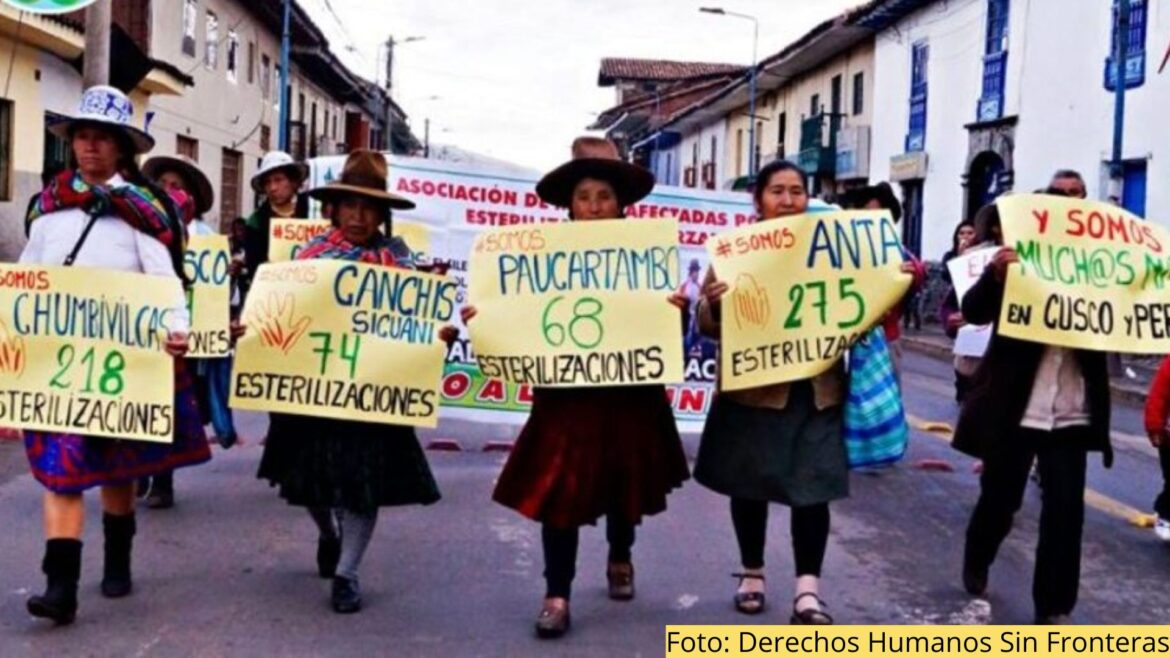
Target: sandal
810,616
749,603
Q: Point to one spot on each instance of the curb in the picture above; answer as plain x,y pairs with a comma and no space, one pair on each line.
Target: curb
1122,391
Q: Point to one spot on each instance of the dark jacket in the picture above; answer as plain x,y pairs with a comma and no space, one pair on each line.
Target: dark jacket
259,229
1002,385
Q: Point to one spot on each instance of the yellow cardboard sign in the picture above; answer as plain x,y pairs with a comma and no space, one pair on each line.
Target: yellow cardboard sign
208,266
344,340
1091,276
81,351
288,236
803,290
578,304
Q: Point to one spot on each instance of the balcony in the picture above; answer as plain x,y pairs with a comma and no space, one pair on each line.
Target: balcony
818,144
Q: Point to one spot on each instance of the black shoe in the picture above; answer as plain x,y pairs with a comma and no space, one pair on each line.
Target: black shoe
974,580
328,555
1053,620
119,534
62,567
347,597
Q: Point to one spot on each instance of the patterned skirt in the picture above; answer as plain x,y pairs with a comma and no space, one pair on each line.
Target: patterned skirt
586,453
71,463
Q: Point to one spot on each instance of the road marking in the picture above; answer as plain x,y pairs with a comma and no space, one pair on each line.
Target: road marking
1095,499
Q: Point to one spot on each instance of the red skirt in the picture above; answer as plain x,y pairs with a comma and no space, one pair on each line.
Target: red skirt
589,452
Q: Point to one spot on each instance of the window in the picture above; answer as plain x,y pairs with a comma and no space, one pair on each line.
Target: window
1135,48
313,131
233,56
301,98
758,151
335,126
265,76
265,138
251,62
739,153
211,54
714,148
916,136
994,62
5,150
782,127
858,94
57,151
229,193
190,17
187,146
814,105
835,95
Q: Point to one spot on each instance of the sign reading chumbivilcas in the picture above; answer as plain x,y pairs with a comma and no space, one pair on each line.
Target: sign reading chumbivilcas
49,6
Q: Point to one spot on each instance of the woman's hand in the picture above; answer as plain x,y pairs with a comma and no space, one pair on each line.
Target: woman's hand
908,268
1002,259
714,292
1159,439
178,343
237,330
467,313
449,334
679,301
955,321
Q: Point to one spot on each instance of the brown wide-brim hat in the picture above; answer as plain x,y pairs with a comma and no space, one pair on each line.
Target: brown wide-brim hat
365,174
630,182
202,191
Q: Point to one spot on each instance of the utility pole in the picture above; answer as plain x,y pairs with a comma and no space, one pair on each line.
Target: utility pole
1116,164
97,43
285,110
389,96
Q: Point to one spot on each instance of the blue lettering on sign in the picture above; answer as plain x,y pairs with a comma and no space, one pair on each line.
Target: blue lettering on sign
853,243
611,269
400,292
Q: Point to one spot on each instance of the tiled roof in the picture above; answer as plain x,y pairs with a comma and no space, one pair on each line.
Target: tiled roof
614,68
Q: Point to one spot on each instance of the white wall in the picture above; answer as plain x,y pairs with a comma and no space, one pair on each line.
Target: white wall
703,137
955,31
1067,115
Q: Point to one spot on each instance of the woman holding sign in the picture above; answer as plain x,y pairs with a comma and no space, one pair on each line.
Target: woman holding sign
343,471
780,443
591,452
93,216
193,196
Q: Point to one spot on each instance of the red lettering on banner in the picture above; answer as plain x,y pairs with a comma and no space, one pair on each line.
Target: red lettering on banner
456,385
36,281
1110,227
1042,219
693,400
524,394
491,391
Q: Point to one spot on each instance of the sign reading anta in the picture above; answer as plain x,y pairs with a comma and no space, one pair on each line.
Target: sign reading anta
81,351
208,266
578,304
803,289
344,340
1091,276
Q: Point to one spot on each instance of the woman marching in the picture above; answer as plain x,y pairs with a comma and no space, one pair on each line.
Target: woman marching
781,443
591,452
193,196
343,471
94,216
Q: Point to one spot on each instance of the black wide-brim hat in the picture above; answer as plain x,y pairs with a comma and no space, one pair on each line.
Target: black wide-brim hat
630,182
185,167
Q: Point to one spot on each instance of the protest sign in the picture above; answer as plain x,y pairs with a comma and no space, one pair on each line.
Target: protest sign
208,266
803,290
965,270
582,304
344,340
288,236
1091,276
82,351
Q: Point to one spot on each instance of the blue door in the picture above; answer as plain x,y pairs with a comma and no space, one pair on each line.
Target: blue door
1133,195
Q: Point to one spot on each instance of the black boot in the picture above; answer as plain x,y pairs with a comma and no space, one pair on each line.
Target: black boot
119,531
347,596
62,567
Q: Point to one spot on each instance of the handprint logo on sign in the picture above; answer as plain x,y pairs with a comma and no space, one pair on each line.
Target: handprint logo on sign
750,302
276,320
11,352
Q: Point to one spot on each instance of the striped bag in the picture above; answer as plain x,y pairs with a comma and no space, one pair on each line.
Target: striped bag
876,432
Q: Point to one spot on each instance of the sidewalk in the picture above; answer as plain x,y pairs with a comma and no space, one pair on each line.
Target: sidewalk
931,341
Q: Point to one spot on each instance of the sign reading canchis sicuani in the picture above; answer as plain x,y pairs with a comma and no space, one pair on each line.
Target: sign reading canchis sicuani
344,340
82,351
1091,276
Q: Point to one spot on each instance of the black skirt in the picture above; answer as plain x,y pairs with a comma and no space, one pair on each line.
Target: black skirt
319,462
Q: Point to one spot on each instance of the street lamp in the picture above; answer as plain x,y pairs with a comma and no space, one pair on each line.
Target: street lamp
719,11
